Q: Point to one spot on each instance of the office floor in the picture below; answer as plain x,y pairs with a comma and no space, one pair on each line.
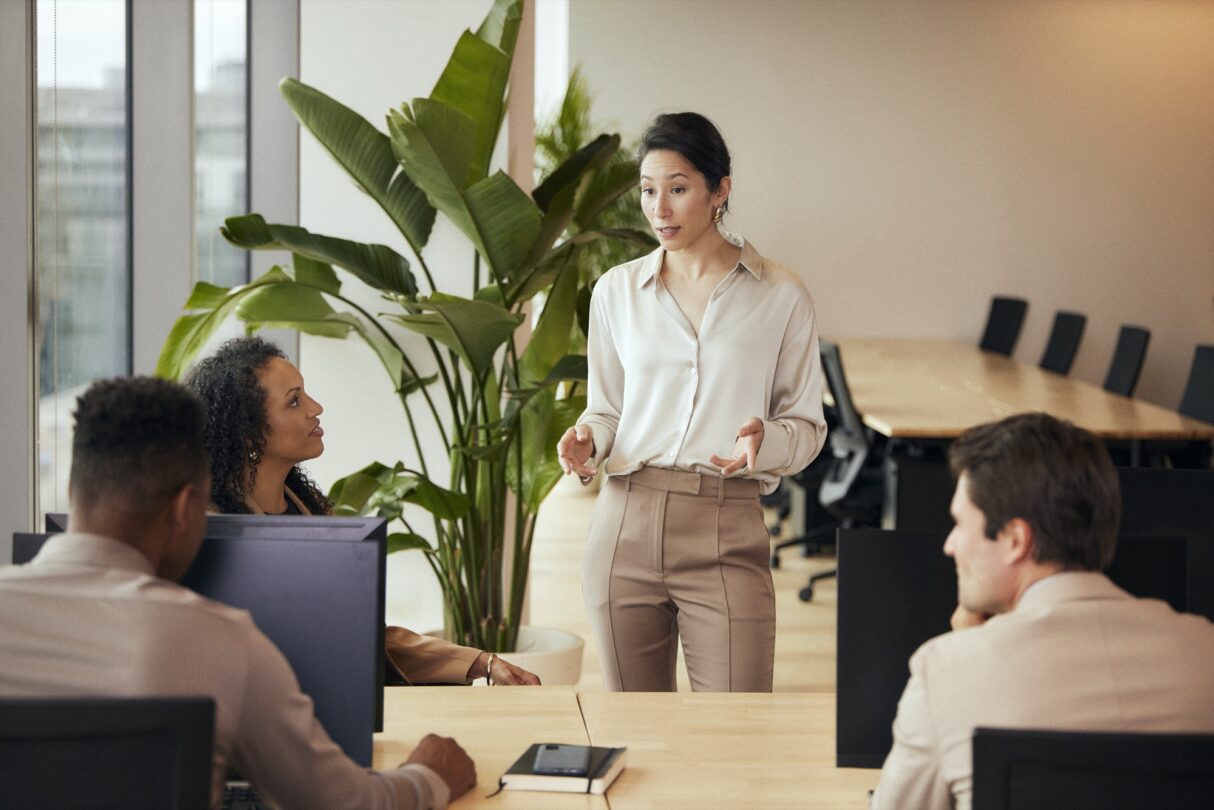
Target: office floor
805,633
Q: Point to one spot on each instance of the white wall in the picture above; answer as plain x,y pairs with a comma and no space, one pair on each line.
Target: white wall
371,56
910,159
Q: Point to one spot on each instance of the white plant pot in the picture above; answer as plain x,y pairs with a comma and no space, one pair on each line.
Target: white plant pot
554,655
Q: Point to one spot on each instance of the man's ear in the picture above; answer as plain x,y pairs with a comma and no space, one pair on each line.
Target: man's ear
1021,541
179,505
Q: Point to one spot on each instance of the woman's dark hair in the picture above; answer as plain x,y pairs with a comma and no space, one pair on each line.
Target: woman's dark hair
695,138
236,424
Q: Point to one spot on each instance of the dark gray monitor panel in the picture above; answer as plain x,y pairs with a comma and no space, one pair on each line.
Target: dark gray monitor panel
897,589
1175,503
315,587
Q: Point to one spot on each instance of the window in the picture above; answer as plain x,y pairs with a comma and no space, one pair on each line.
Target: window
83,220
220,137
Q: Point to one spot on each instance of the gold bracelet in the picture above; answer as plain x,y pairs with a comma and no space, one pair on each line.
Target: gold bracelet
489,671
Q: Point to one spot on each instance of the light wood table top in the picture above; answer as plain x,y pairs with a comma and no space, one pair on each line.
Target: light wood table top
938,389
495,727
685,750
697,750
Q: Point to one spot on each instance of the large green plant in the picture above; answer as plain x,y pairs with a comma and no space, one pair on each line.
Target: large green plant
502,418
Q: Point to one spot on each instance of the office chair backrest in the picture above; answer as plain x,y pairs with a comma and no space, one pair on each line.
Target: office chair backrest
848,441
1063,344
1003,325
1198,399
1044,770
1127,360
106,752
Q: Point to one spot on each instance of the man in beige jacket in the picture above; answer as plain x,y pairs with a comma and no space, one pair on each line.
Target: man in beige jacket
98,612
1041,638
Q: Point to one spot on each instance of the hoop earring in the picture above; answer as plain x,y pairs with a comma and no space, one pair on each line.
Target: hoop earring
720,212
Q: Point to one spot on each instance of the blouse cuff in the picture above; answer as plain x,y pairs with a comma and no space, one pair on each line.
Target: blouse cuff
775,452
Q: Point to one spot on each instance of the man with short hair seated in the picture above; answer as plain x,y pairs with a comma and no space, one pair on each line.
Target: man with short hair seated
98,612
1041,638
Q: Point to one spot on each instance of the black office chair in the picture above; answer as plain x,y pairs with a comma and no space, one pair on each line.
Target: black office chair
106,752
1073,770
1003,325
1061,348
1127,360
852,488
1198,398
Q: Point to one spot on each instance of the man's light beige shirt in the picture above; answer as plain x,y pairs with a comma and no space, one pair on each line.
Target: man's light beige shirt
88,617
661,396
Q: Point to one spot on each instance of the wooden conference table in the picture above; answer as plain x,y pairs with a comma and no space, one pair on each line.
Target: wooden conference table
930,389
685,750
922,393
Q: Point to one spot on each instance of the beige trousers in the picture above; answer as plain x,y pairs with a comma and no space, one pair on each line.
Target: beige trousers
674,554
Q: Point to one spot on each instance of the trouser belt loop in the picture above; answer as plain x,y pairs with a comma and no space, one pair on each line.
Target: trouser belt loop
720,491
628,483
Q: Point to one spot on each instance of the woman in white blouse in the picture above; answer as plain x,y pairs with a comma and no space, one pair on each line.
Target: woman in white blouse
705,387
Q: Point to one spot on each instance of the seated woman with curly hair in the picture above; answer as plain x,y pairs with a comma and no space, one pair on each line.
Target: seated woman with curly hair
261,424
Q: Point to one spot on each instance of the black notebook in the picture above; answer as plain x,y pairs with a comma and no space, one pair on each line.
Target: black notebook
603,766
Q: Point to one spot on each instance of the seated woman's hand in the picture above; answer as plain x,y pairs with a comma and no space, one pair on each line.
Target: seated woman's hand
503,672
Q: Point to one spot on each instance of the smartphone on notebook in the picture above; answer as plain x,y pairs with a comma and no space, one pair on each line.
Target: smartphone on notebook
562,760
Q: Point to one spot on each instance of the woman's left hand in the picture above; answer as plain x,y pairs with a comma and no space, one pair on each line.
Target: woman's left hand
504,672
745,448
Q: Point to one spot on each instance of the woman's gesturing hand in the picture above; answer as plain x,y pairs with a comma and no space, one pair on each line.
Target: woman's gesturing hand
745,448
575,449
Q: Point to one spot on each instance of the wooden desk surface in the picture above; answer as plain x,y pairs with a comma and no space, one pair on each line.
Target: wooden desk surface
689,750
495,726
685,750
937,389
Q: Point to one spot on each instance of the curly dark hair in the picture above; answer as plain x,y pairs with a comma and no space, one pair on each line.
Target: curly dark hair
138,440
237,424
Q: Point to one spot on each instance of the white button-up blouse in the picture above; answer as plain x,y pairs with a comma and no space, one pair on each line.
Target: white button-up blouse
660,396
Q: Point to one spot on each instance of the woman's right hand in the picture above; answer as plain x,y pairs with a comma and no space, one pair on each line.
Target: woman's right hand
575,449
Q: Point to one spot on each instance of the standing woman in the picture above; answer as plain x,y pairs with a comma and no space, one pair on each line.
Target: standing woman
705,387
261,424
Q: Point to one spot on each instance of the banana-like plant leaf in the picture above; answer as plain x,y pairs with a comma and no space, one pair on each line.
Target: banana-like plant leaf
583,308
593,155
550,340
506,219
294,306
541,276
474,329
501,24
316,274
435,143
407,541
570,367
379,266
544,420
366,155
349,495
602,188
442,503
191,332
474,82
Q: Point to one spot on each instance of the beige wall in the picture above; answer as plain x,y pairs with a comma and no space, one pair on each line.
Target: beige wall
910,158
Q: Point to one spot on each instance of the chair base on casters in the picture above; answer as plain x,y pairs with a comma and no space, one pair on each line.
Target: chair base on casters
806,594
810,545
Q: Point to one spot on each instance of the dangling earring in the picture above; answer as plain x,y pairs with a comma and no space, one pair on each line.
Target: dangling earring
254,456
717,214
